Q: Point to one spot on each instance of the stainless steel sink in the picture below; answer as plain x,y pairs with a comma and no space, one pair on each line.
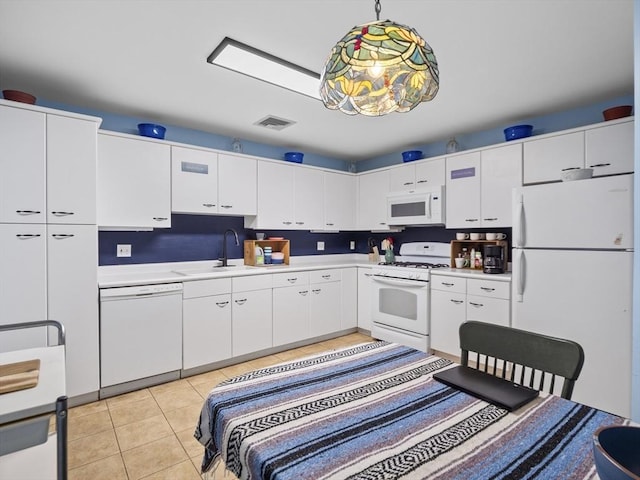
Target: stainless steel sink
213,269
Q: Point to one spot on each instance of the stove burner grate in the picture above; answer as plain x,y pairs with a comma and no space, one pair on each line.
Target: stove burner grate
415,264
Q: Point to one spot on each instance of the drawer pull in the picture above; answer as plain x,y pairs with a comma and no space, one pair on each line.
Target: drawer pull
28,212
407,183
600,165
470,219
445,284
62,235
317,290
478,305
226,206
292,280
61,214
422,181
24,236
382,223
490,219
222,304
303,292
457,302
488,289
208,205
326,277
241,301
160,219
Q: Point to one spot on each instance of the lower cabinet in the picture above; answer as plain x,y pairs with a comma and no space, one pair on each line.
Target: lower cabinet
290,314
251,310
325,299
455,300
206,322
349,292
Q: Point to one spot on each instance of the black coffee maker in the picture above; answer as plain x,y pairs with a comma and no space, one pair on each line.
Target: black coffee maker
494,261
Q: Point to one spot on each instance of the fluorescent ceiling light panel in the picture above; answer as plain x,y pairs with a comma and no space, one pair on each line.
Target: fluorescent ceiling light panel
255,63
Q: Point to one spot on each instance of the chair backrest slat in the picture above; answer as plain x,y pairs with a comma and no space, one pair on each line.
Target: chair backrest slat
524,351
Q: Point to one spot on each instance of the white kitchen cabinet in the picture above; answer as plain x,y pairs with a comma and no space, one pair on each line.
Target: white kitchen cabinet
194,181
206,322
339,201
308,199
455,300
349,292
237,184
252,328
290,314
479,187
606,147
417,176
71,170
23,282
372,200
609,148
72,296
324,308
134,182
364,298
22,170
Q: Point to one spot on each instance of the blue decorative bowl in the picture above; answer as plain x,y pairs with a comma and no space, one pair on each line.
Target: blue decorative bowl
295,157
411,155
151,130
517,131
616,451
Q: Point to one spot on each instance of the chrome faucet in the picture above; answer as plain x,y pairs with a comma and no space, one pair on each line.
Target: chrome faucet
224,244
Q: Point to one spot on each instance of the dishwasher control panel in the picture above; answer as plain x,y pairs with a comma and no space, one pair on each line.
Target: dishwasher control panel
141,290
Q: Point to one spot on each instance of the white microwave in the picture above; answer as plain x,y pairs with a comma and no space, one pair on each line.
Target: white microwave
425,207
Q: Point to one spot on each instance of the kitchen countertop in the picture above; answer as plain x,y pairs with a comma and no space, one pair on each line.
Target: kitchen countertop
110,276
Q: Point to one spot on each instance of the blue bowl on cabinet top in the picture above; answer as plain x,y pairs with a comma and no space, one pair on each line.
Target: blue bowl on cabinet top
616,451
517,131
295,157
151,130
411,155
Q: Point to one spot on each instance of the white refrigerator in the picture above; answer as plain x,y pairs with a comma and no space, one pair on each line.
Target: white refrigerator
572,264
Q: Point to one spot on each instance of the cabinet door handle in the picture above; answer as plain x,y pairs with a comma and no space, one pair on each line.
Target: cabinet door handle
28,212
208,205
25,236
407,183
303,292
330,224
222,304
299,223
445,284
160,219
226,206
292,280
600,165
241,301
317,290
457,302
61,214
478,305
470,219
569,168
488,289
493,219
62,235
326,277
382,223
287,223
422,181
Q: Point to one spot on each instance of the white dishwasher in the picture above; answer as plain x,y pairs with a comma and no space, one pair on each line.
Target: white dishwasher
140,333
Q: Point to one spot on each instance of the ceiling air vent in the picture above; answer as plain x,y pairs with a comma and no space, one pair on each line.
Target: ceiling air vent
274,123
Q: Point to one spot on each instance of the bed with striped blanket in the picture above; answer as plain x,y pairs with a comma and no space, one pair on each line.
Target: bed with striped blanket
373,411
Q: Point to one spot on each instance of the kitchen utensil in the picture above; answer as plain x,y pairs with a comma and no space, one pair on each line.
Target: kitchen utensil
620,111
151,130
571,174
411,155
18,96
496,236
616,451
295,157
462,236
517,131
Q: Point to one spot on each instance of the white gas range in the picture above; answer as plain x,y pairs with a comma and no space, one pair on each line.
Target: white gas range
400,293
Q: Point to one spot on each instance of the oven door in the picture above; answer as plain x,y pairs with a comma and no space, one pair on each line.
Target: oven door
400,303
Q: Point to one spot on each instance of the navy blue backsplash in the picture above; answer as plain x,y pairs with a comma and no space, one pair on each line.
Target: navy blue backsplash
199,237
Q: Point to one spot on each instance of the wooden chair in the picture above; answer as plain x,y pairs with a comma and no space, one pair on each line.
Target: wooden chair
522,357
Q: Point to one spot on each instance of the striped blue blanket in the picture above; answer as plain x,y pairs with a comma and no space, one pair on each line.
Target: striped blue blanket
373,412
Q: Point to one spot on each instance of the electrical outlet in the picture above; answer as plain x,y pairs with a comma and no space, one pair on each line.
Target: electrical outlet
352,245
123,250
320,246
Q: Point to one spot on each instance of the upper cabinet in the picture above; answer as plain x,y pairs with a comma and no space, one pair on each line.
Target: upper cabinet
194,181
373,188
134,182
607,148
417,176
48,172
339,201
237,184
479,184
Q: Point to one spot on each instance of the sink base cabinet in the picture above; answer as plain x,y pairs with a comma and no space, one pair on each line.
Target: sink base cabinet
206,330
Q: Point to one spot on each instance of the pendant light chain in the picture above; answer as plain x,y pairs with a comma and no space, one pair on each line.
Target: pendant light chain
378,10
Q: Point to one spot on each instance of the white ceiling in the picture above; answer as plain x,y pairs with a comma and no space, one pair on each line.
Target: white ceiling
499,61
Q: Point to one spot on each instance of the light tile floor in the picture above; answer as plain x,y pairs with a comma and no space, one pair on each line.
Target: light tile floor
148,434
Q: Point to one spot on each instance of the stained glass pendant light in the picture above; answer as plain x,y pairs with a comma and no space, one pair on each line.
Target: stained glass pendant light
379,68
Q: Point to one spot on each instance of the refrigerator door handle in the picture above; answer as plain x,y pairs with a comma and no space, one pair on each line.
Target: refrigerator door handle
520,221
520,280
